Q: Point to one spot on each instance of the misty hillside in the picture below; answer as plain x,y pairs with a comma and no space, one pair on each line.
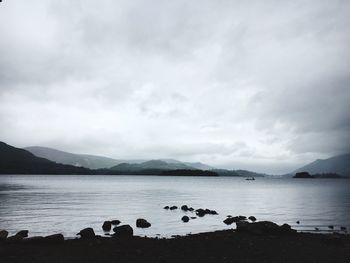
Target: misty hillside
98,162
19,161
84,160
338,164
153,164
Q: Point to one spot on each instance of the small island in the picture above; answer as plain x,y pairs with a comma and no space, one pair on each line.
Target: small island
303,175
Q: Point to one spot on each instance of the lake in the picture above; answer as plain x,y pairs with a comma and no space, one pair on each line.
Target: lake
67,203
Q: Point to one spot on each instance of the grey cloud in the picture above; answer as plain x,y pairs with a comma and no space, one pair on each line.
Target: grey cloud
231,83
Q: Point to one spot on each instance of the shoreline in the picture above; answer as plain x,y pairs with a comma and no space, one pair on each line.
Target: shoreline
216,246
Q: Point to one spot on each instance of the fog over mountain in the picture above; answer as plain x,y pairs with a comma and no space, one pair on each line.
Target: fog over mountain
257,85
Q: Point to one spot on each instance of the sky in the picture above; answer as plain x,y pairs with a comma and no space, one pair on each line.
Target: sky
258,85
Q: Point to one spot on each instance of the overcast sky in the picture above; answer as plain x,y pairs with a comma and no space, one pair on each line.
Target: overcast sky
259,85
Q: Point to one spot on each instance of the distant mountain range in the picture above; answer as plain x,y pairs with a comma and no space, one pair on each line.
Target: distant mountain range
335,165
43,160
84,160
98,162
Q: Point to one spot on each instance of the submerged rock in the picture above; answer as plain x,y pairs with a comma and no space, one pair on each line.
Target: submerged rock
87,233
174,207
235,219
142,223
185,219
107,225
123,231
3,234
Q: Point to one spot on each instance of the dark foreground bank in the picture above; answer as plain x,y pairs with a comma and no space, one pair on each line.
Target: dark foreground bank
221,246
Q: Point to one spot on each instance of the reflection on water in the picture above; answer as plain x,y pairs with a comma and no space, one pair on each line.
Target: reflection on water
66,204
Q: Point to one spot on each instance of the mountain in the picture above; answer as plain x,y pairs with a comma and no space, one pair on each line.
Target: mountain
98,162
338,164
152,164
84,160
19,161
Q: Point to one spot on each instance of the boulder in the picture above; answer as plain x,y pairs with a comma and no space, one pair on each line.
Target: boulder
200,212
115,222
173,207
213,212
22,233
229,220
193,217
55,238
166,207
123,231
184,208
142,223
107,225
252,218
185,219
87,233
3,234
191,209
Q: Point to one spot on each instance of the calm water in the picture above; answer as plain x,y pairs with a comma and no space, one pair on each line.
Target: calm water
65,204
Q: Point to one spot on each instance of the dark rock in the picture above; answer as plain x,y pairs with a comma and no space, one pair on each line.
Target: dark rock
229,220
166,207
200,212
252,218
185,219
107,225
193,217
343,228
3,234
317,229
184,208
235,219
115,222
87,233
14,238
123,231
142,223
331,227
173,207
263,227
22,233
213,212
56,238
191,209
298,222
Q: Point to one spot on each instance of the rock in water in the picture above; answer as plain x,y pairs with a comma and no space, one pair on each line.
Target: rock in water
252,218
173,207
3,234
107,225
166,207
185,219
115,222
184,208
22,233
123,231
229,220
87,233
142,223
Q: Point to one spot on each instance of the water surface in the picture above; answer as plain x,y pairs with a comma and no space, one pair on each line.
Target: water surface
65,203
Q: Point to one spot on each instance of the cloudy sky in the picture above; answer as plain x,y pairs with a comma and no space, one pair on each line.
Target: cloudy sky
259,85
